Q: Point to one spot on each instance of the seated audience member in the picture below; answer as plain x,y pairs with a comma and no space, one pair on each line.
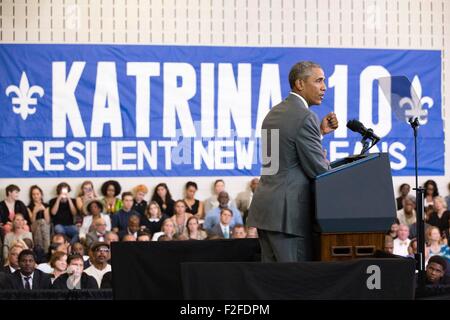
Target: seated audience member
413,230
193,231
404,193
41,255
78,248
28,277
98,233
163,238
63,211
110,190
139,204
132,228
394,229
10,206
100,255
440,217
180,217
58,243
447,198
223,228
213,201
412,248
239,232
86,195
75,278
40,218
120,218
5,281
401,244
94,210
407,215
153,218
252,233
180,237
244,199
388,244
435,245
111,237
18,232
59,264
128,238
431,191
435,271
143,236
12,263
212,217
167,229
193,206
107,281
163,197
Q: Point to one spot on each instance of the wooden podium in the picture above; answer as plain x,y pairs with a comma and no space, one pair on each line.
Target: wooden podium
355,206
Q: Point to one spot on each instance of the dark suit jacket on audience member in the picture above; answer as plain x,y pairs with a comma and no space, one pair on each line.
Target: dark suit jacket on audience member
41,280
87,282
217,231
106,281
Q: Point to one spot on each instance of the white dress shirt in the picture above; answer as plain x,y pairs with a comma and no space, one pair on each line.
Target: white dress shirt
401,247
225,229
24,280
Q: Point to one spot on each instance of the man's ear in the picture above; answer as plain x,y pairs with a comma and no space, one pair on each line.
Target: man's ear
299,84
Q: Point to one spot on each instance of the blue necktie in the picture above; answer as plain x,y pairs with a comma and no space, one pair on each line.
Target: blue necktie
226,234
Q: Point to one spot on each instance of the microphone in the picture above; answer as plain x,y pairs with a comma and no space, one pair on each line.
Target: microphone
358,127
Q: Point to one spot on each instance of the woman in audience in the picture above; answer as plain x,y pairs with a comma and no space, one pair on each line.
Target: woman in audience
40,218
152,219
193,231
12,260
431,191
18,232
87,194
164,199
181,217
440,216
63,211
194,206
58,262
167,230
404,192
435,245
412,248
78,248
139,204
110,190
394,229
94,210
10,206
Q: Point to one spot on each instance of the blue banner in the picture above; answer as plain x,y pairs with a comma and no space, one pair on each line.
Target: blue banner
122,110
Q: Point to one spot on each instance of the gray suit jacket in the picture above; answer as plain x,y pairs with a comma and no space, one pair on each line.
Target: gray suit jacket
283,201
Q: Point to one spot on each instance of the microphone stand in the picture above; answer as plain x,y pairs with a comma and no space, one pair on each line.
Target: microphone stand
420,225
365,141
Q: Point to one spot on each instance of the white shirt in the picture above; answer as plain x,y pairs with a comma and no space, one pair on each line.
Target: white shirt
401,247
12,269
24,281
301,98
98,274
45,267
87,221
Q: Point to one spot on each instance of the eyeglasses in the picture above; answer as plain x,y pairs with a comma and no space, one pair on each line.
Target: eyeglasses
102,250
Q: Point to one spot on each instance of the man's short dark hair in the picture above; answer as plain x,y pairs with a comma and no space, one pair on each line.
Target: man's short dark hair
62,185
74,256
301,70
436,259
27,252
226,209
126,194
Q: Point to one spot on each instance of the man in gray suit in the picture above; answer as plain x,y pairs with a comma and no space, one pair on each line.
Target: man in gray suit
282,208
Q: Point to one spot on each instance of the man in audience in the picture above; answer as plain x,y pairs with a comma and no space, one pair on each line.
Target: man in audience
401,244
75,278
63,210
407,215
132,228
244,199
239,232
98,234
213,201
111,237
143,236
252,233
100,254
212,217
128,238
223,228
120,219
388,244
13,258
435,271
28,277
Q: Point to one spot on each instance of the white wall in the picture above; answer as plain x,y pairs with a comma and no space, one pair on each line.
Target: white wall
393,24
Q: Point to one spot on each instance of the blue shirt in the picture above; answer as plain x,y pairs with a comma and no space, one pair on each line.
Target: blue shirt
120,219
213,217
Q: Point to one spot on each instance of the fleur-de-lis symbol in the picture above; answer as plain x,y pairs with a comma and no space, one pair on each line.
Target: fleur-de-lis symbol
416,103
24,96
